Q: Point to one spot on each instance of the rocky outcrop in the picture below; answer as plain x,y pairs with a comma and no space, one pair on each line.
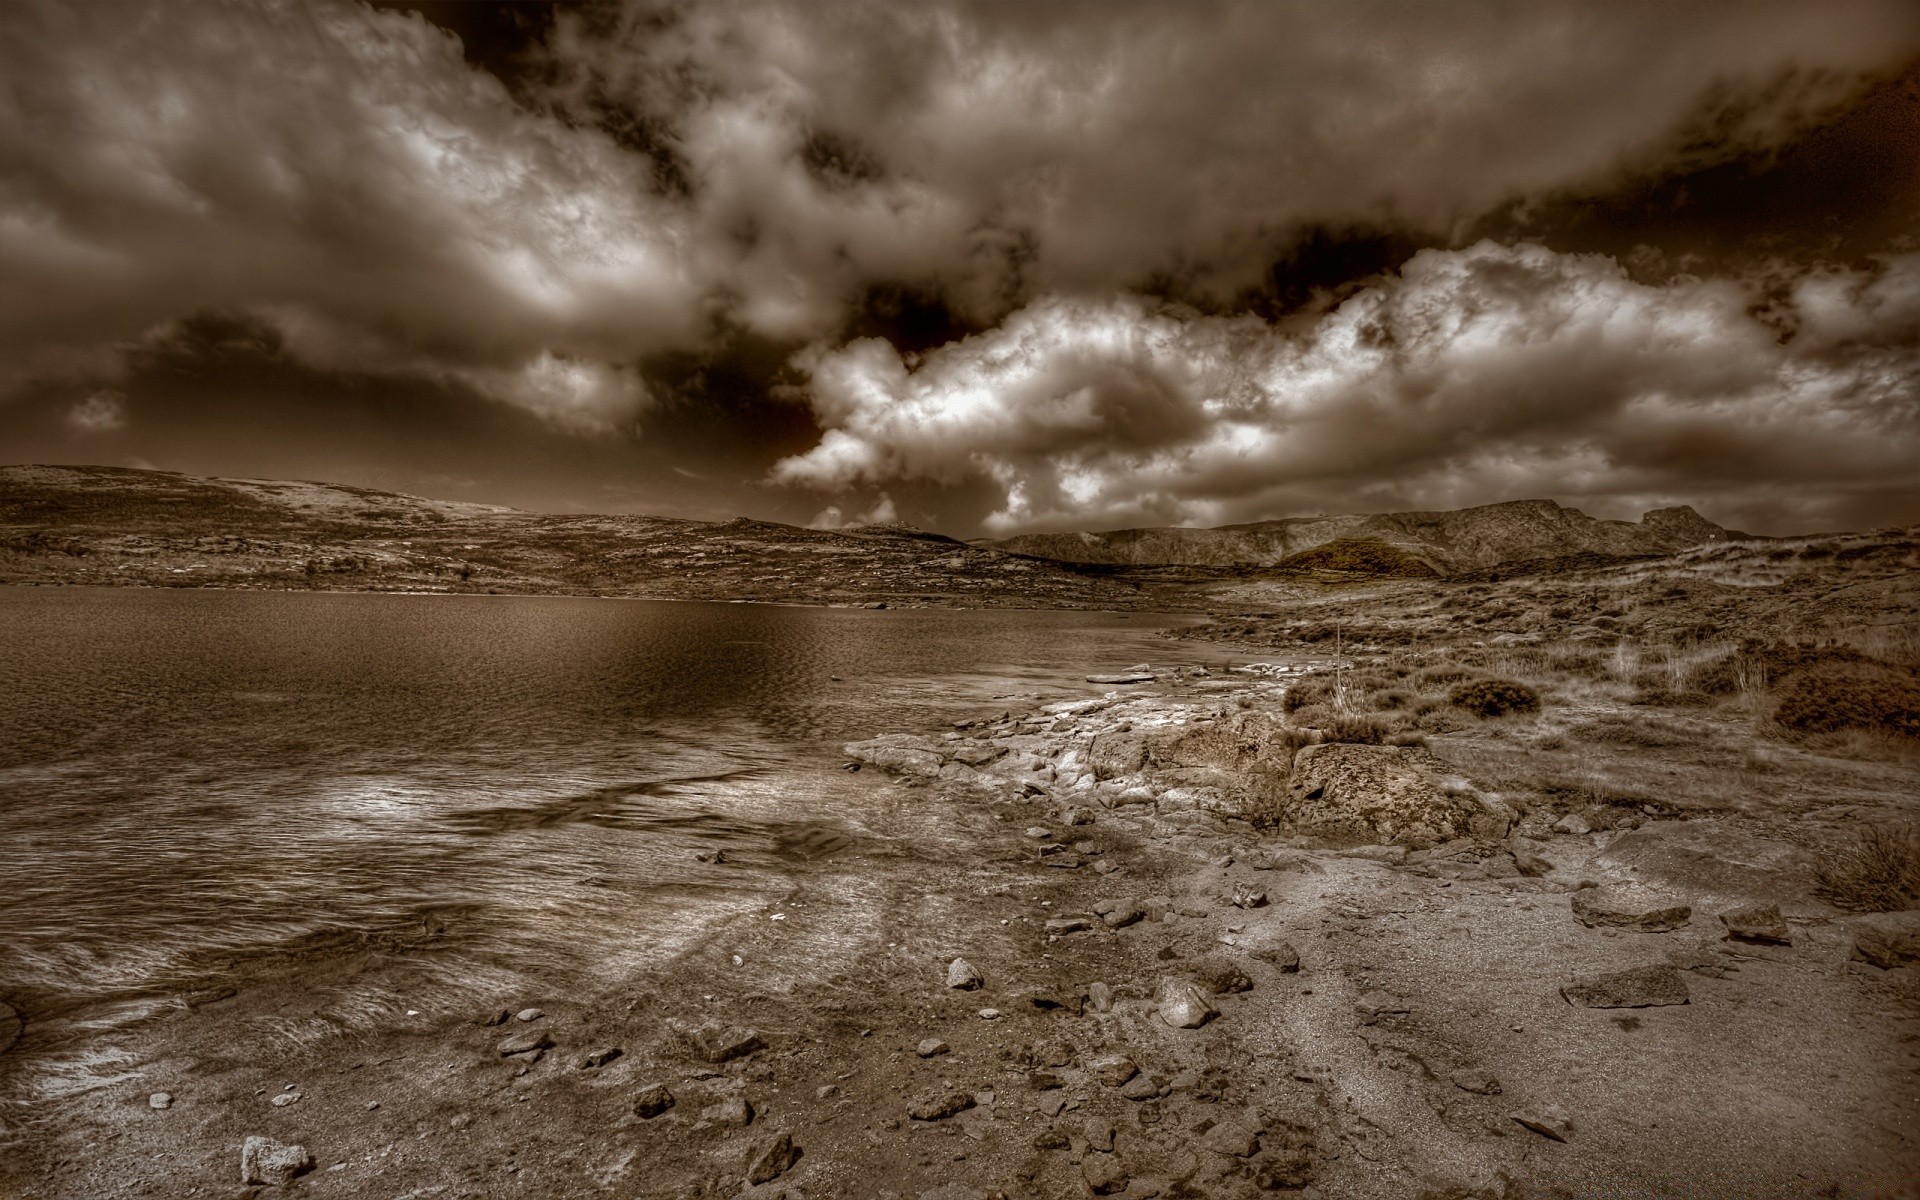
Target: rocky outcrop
1887,940
1383,793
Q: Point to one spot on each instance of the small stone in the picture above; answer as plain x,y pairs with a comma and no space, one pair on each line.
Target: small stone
1065,862
1628,906
1100,996
1123,914
1087,848
1548,1120
932,1048
1114,1070
962,975
1051,1139
499,1016
460,1121
735,1112
826,1091
1377,1003
1141,1087
1283,956
1247,896
263,1160
1044,1081
1573,823
1183,1005
1066,925
652,1100
718,1044
1103,1174
1231,1138
989,1014
284,1099
530,1041
1106,867
773,1159
530,1014
1473,1079
1099,1135
1077,816
1757,923
160,1100
1531,865
1039,832
938,1106
1220,975
1636,987
600,1057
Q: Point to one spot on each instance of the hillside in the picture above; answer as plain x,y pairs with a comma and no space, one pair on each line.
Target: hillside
1447,542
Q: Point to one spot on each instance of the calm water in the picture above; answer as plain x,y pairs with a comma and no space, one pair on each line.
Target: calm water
188,779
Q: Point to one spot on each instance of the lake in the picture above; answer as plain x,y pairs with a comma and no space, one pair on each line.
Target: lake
191,781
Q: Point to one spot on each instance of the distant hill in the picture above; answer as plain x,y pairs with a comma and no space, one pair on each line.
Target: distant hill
1407,543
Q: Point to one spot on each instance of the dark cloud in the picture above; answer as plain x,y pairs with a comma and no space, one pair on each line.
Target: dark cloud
1035,264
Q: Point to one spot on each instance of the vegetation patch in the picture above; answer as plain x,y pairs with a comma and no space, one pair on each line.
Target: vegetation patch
1830,699
1876,870
1365,556
1494,697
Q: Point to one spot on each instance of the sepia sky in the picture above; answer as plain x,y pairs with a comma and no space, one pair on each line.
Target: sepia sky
980,267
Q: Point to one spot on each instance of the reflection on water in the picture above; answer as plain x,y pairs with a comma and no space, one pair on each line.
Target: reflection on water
191,778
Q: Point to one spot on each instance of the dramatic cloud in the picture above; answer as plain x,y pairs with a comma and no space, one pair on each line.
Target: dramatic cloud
102,412
1470,376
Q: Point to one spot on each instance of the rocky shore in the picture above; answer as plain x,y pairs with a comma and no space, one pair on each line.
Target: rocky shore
1162,940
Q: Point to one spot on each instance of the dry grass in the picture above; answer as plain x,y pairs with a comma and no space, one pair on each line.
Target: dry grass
1877,870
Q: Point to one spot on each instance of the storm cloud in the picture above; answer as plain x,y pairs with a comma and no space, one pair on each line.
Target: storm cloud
987,267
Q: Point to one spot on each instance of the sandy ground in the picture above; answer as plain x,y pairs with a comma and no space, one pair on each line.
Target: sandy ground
1423,1020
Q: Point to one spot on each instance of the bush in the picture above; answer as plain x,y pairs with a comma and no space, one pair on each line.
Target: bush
1307,691
1760,664
1355,728
1878,870
1832,698
1494,697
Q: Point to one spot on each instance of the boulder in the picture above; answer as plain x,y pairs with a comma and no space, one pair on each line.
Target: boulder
276,1164
1103,1174
772,1159
1715,862
961,974
1629,906
1114,1070
1757,923
932,1048
1117,754
1183,1004
716,1043
1887,940
938,1106
527,1042
1648,986
652,1100
903,754
1386,793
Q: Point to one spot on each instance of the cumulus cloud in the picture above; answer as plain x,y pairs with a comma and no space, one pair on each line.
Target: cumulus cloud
1469,376
102,412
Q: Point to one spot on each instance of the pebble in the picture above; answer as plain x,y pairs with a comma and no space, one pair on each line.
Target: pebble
932,1048
962,974
284,1099
160,1100
989,1014
530,1014
938,1106
1114,1070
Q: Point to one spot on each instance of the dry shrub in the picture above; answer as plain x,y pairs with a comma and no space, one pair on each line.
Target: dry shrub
1312,691
1645,731
1876,870
1494,697
1361,729
1757,665
1369,556
1442,676
1832,699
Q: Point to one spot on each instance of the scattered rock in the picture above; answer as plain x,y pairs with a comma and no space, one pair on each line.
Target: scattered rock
1757,923
1377,1003
1548,1120
600,1057
1114,1070
1530,864
1283,956
1100,996
652,1100
276,1164
938,1106
1391,793
284,1099
1221,975
1473,1079
1391,855
1714,858
1116,754
988,1014
1887,940
160,1100
932,1048
1077,816
1232,1138
1044,1081
530,1014
774,1158
1183,1005
903,754
715,856
499,1016
1286,1157
1051,1139
1103,1174
961,974
716,1043
530,1041
1141,1088
1066,925
1572,823
1118,914
1039,833
1098,1133
1629,906
1247,896
1128,677
735,1112
1646,986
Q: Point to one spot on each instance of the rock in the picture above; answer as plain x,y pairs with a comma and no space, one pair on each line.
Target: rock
988,1014
1646,986
600,1057
1114,1070
530,1014
1077,816
1715,862
1129,677
774,1158
498,1016
1887,940
529,1041
1377,1003
1247,896
1548,1120
735,1112
903,754
1629,906
1043,1081
1141,1088
962,975
1066,925
1574,824
716,1043
160,1100
1757,923
1122,913
1039,833
1391,855
1103,1174
1117,754
1100,996
1086,849
1286,1157
1232,1138
276,1164
932,1048
1064,862
1221,975
1051,1139
652,1100
1530,864
1473,1079
1390,793
284,1099
938,1106
1283,956
1098,1134
1183,1005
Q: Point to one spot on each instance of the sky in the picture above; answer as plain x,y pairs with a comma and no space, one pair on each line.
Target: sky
981,268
